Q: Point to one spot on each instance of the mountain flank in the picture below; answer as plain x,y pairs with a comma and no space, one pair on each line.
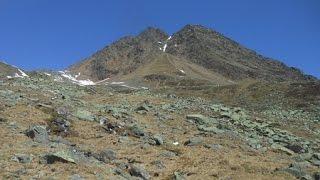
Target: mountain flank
221,59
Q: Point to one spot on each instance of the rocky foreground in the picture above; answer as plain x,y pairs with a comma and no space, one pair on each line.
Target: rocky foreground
60,130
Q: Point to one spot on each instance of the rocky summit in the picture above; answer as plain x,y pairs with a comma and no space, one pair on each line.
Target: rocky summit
193,105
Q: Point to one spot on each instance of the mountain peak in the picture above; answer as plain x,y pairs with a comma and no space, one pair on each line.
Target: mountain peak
153,34
196,28
194,45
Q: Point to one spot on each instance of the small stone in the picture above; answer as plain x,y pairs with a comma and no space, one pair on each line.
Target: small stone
62,111
213,146
198,119
158,139
295,148
278,147
84,115
22,158
178,176
194,141
60,156
59,125
168,154
107,156
137,131
139,172
38,134
103,121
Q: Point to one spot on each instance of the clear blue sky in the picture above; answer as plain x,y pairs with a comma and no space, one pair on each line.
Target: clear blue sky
54,34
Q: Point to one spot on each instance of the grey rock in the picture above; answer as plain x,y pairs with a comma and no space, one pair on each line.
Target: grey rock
137,131
281,148
254,143
158,139
295,148
168,154
194,141
178,176
60,156
143,107
84,115
301,165
22,158
213,146
60,125
198,119
38,134
139,172
107,156
103,121
298,173
62,111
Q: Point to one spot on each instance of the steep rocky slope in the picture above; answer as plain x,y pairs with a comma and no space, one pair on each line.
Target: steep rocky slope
216,54
122,57
214,51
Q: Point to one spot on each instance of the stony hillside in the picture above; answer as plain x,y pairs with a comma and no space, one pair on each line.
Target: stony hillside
219,56
52,128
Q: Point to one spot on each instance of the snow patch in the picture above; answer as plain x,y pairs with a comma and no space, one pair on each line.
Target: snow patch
164,48
87,82
78,75
117,83
22,73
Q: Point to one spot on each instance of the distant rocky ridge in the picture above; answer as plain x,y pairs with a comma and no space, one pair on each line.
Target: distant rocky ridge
9,71
194,47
